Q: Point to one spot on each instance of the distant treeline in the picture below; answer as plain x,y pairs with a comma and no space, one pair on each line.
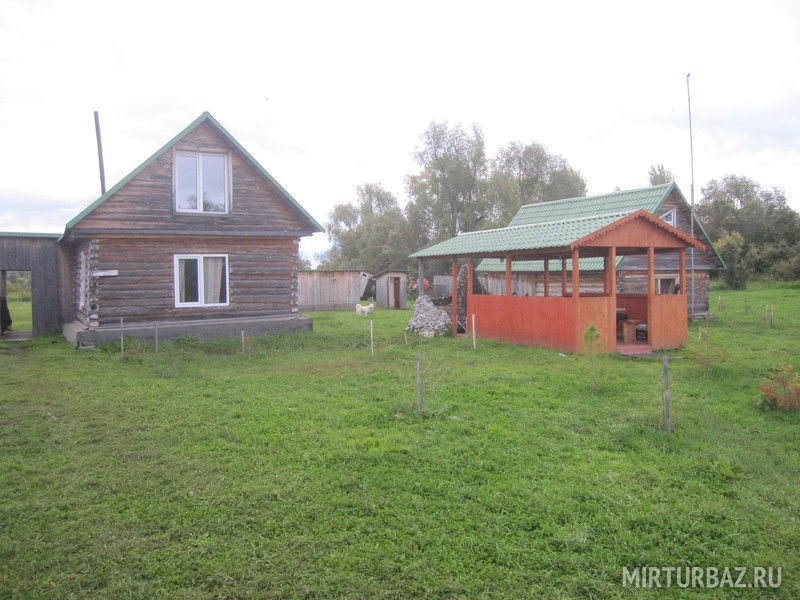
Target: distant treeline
18,285
458,188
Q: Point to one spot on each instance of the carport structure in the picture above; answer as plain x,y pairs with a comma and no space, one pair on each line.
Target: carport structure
559,318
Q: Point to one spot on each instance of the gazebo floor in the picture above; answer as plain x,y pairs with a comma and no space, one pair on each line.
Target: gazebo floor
633,349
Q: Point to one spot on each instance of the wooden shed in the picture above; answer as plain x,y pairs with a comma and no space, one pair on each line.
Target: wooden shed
40,254
331,290
559,318
390,288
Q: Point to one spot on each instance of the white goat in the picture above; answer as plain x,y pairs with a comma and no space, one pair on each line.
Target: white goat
364,310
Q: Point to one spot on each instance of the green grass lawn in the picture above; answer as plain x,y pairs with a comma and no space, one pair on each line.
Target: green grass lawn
20,315
300,468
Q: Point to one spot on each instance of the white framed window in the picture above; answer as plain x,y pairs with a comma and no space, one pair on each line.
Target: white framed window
201,280
669,217
666,284
201,182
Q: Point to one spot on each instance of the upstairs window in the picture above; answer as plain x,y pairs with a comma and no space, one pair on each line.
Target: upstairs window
669,217
201,280
201,182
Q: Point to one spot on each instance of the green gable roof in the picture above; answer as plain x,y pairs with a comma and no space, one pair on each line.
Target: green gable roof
206,116
27,234
554,234
625,202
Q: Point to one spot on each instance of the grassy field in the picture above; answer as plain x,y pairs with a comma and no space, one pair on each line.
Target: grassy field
20,315
300,468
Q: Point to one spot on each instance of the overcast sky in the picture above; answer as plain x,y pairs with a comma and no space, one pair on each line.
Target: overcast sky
331,95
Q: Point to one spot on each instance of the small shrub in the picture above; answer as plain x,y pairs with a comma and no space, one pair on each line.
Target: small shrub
592,347
781,389
187,342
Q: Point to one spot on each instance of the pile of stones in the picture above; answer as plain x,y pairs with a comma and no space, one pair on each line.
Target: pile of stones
428,320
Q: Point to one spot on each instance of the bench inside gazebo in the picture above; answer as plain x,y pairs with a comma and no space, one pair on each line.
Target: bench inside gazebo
626,323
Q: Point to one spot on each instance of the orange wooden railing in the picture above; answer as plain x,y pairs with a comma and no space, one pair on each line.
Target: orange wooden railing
533,321
668,326
547,322
601,312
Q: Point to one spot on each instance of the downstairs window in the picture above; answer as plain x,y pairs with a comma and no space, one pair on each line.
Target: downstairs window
201,280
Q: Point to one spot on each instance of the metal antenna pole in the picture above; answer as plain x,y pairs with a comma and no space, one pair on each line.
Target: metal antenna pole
100,153
691,207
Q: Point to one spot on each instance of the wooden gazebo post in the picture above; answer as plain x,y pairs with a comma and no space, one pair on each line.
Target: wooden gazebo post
651,291
546,278
563,276
420,276
611,275
509,285
453,295
682,270
576,275
470,288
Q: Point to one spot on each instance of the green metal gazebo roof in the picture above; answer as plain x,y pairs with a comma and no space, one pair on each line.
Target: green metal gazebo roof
625,202
533,236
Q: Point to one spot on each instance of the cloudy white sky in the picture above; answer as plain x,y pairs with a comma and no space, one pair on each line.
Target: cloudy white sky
327,96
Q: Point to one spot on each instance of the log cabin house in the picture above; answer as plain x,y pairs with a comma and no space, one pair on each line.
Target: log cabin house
198,240
665,201
575,239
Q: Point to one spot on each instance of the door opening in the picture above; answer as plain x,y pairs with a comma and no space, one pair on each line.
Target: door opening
16,321
396,284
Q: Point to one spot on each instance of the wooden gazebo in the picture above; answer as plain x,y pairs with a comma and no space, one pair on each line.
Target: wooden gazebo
559,317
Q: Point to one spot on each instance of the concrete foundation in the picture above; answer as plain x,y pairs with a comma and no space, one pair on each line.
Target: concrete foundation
201,328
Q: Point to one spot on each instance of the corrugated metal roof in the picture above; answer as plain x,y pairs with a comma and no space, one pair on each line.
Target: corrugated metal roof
625,202
497,265
554,234
28,234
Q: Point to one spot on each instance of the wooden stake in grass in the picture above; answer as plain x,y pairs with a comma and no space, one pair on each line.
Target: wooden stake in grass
155,326
121,335
420,391
769,314
474,333
371,339
405,337
666,395
243,341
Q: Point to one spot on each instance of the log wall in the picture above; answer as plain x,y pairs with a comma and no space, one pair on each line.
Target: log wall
263,277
